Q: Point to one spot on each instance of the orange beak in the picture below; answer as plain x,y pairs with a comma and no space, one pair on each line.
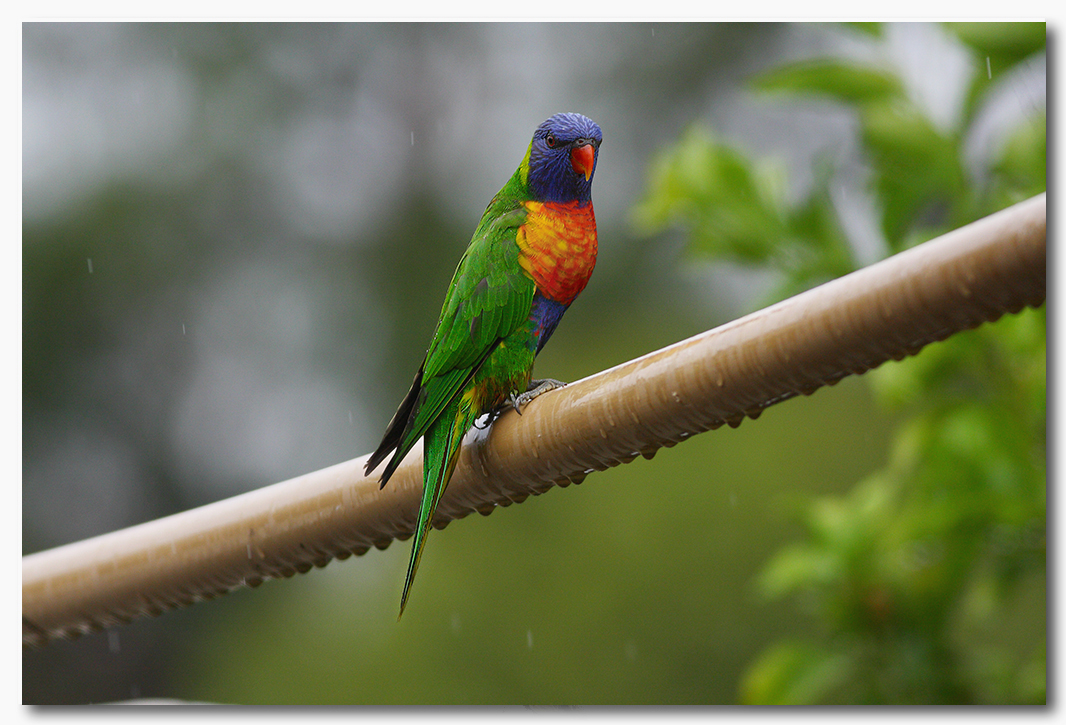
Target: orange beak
582,158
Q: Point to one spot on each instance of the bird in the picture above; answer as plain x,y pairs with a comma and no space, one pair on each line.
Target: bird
530,256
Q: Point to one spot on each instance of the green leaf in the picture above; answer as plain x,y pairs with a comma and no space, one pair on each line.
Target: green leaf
793,673
1023,162
918,169
1005,44
874,30
996,49
816,224
799,566
731,209
839,80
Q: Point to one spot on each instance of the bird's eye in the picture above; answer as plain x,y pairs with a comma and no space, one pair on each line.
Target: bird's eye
551,140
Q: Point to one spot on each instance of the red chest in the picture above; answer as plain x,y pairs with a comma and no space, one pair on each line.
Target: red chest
558,248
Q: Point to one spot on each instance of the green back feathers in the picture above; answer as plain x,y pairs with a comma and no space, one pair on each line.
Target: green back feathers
489,295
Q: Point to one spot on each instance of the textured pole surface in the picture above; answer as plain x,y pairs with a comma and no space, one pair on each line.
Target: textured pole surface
847,326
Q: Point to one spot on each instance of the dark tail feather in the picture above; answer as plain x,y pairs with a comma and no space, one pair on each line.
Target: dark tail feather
395,432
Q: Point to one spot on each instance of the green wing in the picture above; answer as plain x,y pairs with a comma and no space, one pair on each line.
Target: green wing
490,295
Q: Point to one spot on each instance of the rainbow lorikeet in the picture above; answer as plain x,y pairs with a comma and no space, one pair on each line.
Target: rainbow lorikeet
531,254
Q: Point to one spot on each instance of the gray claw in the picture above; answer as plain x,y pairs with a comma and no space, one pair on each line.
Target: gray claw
536,388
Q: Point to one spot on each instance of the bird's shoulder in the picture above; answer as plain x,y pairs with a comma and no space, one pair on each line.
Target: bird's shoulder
490,294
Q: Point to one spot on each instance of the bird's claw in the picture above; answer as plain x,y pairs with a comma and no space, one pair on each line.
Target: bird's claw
518,401
536,388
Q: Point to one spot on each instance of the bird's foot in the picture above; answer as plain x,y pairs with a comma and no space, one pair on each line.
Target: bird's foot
536,388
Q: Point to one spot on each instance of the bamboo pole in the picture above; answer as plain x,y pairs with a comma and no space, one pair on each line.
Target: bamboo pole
847,326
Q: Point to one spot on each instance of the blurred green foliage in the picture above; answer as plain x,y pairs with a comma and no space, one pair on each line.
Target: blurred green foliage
927,580
734,209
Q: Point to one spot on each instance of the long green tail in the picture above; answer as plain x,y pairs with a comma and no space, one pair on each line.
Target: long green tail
440,454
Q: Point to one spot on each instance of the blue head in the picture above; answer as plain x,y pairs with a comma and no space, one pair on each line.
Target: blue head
562,158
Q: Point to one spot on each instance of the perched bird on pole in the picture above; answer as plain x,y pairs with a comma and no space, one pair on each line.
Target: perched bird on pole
531,255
